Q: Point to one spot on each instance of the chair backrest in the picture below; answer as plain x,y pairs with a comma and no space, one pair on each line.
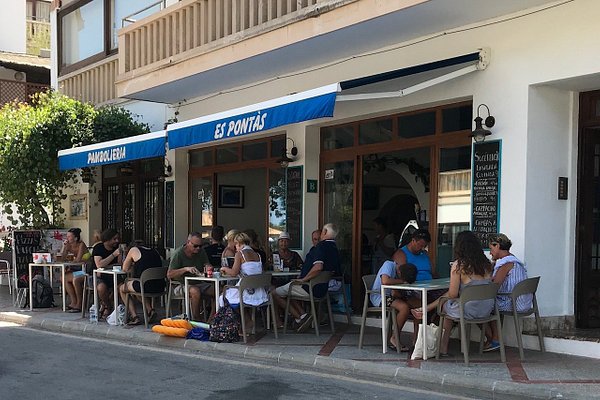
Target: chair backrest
171,286
526,286
154,273
4,266
255,282
479,292
323,277
368,281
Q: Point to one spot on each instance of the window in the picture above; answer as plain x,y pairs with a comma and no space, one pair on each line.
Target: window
82,32
416,125
124,12
375,131
38,10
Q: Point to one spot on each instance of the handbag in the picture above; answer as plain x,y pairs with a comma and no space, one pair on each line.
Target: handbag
226,324
430,333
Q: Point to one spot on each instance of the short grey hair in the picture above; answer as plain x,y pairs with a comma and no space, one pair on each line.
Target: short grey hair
194,234
332,229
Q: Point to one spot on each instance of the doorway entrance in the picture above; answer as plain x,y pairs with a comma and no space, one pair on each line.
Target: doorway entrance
587,302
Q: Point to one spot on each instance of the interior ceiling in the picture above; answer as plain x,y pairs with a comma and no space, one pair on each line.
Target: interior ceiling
417,21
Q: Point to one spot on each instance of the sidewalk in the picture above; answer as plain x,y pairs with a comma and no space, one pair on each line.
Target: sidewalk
540,376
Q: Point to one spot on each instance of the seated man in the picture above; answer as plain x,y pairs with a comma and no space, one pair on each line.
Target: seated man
392,273
214,250
289,259
188,260
322,257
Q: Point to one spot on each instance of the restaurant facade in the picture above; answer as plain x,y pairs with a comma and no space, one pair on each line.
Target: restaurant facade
282,119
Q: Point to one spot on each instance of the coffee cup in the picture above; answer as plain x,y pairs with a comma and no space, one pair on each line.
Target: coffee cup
216,274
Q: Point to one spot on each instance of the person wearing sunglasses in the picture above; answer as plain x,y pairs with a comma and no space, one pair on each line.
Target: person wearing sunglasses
189,260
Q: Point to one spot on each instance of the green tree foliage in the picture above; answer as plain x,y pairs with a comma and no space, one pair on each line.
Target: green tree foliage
31,136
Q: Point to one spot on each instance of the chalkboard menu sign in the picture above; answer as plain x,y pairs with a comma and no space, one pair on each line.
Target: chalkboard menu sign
485,196
170,214
24,244
293,221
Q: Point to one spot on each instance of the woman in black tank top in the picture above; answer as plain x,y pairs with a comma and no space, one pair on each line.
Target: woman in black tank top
140,258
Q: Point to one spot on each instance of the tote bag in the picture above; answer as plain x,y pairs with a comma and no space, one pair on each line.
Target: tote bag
430,332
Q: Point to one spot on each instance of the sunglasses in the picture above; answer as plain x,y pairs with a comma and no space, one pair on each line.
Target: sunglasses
196,246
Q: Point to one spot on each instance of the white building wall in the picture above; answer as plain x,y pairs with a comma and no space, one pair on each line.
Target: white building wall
538,47
13,27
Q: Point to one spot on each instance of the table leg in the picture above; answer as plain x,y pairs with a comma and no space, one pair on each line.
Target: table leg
187,299
424,321
217,287
95,283
383,321
64,296
30,289
116,294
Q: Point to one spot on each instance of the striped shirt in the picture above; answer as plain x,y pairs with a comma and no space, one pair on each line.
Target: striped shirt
517,274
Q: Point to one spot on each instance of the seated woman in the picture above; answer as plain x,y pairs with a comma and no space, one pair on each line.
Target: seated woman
140,258
247,262
508,271
471,267
229,252
106,253
74,249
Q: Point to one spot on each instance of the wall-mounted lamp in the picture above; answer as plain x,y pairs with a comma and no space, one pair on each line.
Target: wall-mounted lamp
168,172
285,158
480,132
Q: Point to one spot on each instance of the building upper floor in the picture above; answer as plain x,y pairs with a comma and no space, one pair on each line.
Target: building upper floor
171,51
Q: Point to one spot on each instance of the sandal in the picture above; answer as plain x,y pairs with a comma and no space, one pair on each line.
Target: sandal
135,321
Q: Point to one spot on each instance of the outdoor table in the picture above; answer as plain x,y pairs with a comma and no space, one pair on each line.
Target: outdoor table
216,281
51,266
115,274
423,287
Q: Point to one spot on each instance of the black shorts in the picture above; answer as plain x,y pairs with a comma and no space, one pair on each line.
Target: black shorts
153,286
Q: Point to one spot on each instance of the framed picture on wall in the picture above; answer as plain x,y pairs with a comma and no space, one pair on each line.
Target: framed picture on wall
78,206
231,196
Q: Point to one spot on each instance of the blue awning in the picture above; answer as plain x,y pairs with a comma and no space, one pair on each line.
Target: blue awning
131,148
303,106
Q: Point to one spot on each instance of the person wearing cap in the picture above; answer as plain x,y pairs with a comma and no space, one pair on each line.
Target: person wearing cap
289,258
508,271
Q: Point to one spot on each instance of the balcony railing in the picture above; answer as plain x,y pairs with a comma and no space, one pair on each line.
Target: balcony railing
93,84
38,36
18,91
191,25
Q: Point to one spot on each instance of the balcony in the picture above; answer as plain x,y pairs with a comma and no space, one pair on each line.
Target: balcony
200,47
93,84
38,36
18,91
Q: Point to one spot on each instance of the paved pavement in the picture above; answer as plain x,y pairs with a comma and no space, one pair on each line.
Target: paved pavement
540,376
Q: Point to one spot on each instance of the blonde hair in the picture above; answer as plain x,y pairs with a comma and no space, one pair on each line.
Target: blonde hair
242,238
231,234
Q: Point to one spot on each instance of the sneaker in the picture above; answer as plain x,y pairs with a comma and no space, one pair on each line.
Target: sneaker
493,345
304,324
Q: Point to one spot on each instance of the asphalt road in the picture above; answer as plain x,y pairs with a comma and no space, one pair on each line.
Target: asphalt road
42,365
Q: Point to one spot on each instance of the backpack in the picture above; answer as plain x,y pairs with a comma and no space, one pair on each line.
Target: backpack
43,296
226,324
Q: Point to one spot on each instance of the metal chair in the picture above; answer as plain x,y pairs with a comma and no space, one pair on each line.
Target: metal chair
6,270
171,295
368,281
150,274
322,278
88,295
473,293
527,286
255,282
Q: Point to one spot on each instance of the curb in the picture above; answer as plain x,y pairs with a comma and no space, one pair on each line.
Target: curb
455,384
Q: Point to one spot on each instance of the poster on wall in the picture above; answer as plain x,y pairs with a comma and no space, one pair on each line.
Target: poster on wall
293,222
485,193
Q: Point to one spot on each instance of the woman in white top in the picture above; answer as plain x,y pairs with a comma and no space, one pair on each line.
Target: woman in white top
508,271
247,262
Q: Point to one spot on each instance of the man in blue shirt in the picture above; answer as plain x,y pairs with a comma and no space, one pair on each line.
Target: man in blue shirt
414,253
322,257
